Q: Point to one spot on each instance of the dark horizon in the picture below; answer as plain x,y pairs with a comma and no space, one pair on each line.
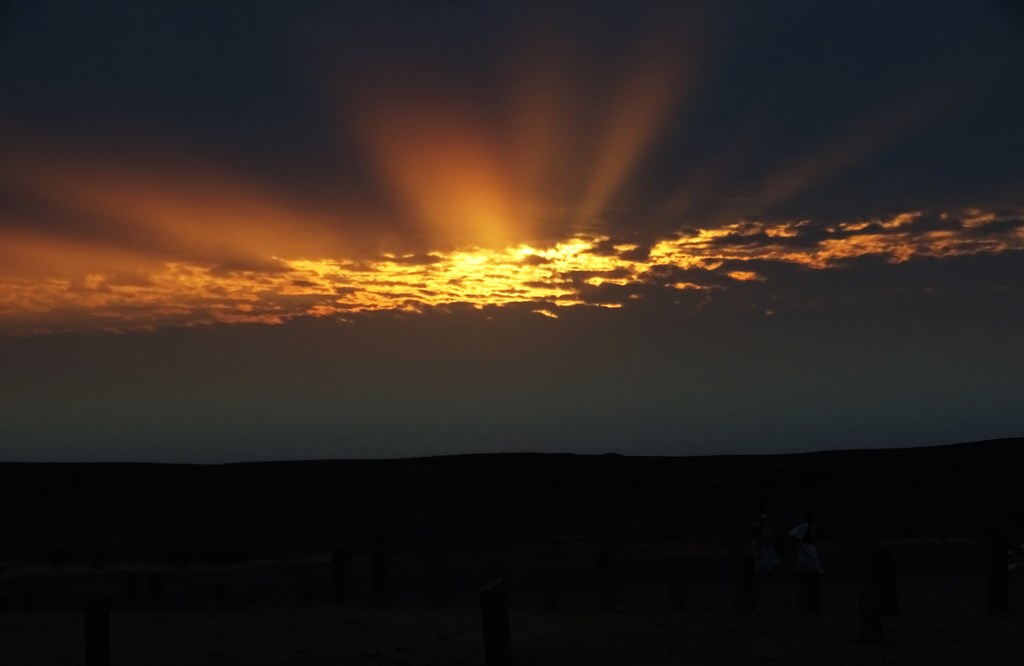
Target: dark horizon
538,453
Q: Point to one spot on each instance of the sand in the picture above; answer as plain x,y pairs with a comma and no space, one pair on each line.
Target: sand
943,622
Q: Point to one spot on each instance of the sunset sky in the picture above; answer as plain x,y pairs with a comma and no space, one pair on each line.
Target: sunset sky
278,230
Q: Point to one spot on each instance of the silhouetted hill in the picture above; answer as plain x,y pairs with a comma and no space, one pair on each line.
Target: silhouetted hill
140,509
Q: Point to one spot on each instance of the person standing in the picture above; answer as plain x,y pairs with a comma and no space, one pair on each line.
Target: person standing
762,545
808,563
806,536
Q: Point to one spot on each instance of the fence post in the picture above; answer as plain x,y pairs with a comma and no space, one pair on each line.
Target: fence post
157,595
607,583
222,597
549,589
339,572
494,617
97,630
870,610
130,589
809,592
196,597
28,601
745,579
677,588
305,587
998,575
380,575
439,582
882,568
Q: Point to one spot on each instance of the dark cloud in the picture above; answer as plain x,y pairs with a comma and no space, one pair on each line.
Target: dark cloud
784,115
1004,223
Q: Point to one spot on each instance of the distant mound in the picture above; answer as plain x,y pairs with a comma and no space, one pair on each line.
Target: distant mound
937,491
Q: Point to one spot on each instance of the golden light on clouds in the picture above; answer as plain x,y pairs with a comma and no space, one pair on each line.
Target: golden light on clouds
446,170
548,278
524,187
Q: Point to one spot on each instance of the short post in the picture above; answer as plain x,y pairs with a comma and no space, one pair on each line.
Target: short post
549,589
99,558
305,587
339,575
494,616
870,611
745,579
196,598
223,597
810,592
157,595
677,591
439,582
607,583
97,630
379,575
882,569
28,601
130,589
998,573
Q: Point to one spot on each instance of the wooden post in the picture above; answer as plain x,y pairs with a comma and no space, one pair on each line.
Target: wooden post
99,558
870,610
28,601
882,569
998,575
549,589
196,597
809,592
339,574
305,587
130,589
223,597
439,582
677,590
380,575
607,583
745,578
97,630
494,617
157,594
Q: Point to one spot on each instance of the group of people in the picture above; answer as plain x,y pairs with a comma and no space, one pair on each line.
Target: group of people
765,542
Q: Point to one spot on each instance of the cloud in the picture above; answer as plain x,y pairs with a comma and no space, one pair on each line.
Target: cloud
770,258
341,161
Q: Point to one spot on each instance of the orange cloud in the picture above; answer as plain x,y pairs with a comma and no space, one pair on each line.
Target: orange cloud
558,275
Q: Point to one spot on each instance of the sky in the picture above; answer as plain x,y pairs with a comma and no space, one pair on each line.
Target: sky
267,230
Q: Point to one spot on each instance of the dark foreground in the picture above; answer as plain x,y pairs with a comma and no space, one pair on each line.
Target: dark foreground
380,562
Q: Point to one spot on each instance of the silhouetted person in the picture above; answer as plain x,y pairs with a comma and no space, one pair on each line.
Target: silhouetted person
806,536
762,544
808,563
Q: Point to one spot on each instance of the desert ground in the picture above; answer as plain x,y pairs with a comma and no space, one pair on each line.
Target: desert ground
233,564
943,620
